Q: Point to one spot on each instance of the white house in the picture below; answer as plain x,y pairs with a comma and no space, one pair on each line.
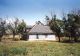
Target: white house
41,32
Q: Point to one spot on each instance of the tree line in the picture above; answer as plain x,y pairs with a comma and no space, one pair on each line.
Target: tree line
13,27
68,26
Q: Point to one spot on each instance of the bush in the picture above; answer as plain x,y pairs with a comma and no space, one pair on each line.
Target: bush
18,51
16,39
24,36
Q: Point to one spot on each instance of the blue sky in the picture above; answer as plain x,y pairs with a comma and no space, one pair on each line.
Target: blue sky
34,10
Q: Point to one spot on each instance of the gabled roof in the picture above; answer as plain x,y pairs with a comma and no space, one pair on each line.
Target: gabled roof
39,28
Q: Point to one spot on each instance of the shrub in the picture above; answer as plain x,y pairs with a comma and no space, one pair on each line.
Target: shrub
17,51
24,36
16,39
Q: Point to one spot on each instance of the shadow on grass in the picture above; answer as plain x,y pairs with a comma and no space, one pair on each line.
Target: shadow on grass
70,41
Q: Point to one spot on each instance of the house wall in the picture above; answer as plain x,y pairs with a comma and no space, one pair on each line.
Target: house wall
32,37
42,37
51,37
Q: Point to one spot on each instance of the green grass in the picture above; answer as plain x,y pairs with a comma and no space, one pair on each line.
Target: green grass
44,48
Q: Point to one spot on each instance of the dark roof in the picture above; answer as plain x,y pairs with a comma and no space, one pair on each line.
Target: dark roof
40,29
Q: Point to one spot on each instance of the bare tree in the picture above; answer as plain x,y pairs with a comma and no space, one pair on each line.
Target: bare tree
13,27
2,28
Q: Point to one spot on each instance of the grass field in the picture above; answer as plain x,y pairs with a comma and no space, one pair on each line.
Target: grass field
41,48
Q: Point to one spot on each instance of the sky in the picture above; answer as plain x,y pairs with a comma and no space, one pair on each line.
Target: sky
35,10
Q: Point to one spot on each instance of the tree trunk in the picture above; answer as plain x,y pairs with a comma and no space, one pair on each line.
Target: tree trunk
69,38
1,36
0,39
14,34
75,39
13,37
59,38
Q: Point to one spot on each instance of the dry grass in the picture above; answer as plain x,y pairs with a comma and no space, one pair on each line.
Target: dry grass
38,48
